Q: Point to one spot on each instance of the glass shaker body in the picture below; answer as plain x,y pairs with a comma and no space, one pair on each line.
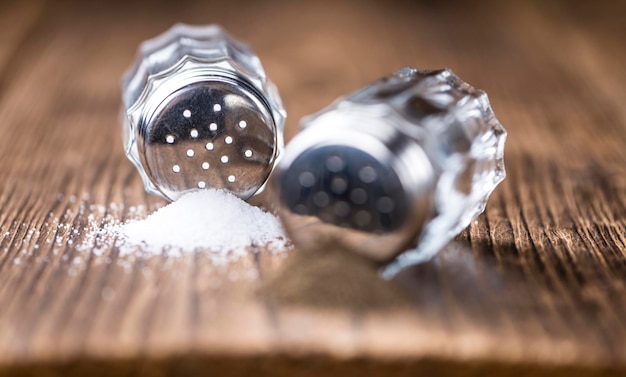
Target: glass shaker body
407,161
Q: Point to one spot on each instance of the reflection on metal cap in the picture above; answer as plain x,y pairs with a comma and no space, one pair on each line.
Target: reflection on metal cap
199,113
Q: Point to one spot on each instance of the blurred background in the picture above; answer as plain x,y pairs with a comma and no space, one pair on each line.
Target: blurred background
535,286
524,54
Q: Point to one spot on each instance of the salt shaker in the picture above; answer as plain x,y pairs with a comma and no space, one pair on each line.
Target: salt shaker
199,112
404,163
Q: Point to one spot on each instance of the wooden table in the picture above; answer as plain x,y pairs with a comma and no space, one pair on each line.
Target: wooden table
535,286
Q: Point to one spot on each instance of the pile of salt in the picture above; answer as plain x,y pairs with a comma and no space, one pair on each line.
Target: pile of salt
208,219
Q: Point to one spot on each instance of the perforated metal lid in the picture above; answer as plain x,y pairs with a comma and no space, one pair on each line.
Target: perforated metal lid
201,115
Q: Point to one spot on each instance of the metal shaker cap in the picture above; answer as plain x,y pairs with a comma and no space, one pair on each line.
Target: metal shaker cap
199,112
407,160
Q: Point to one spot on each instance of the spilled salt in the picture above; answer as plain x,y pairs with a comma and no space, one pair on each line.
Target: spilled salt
211,219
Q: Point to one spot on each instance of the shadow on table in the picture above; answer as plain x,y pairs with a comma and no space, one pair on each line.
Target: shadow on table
340,279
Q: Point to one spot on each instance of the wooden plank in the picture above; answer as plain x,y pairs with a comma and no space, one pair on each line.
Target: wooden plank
534,286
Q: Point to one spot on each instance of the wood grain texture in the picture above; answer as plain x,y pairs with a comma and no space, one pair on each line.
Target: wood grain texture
535,286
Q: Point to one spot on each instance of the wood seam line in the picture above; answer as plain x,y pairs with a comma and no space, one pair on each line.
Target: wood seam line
502,203
550,183
585,236
74,296
479,312
12,277
546,218
125,295
581,221
565,257
503,317
269,305
608,217
451,319
149,312
535,255
106,271
609,220
194,302
518,227
48,251
530,278
70,298
59,267
22,214
103,279
45,297
5,220
56,229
